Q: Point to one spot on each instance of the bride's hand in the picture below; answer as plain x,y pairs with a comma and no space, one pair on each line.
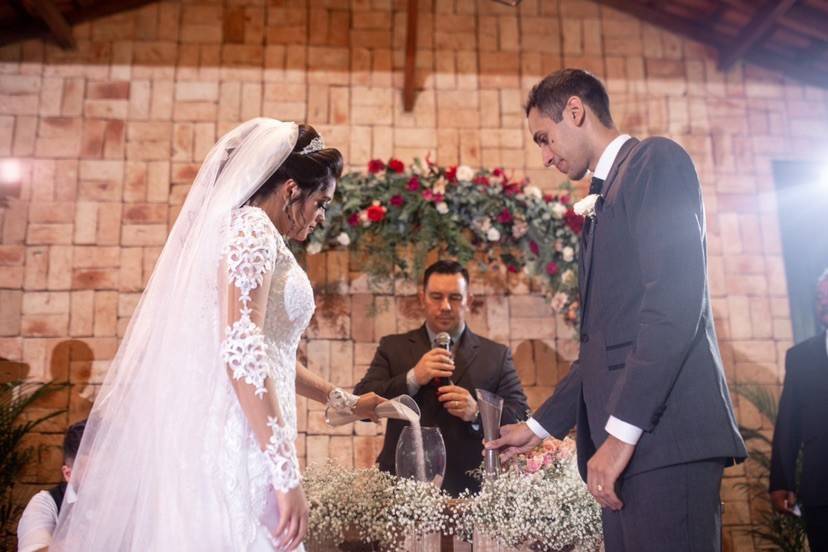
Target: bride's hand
293,518
365,407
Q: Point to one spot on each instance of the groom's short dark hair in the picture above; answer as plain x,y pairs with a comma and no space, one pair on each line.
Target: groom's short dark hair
551,94
445,267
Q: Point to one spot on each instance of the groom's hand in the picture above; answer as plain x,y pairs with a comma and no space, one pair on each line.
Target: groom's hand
514,439
604,469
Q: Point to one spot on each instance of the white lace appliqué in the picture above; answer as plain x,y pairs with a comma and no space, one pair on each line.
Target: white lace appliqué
252,356
249,256
281,452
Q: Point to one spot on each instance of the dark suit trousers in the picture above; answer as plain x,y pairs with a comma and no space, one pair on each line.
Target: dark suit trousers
675,509
816,525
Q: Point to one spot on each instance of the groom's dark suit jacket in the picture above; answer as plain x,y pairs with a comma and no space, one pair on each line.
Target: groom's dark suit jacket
800,424
649,354
478,362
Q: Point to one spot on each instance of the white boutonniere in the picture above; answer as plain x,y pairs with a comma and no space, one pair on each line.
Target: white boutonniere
586,206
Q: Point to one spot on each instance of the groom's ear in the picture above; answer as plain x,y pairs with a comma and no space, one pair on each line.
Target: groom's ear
574,111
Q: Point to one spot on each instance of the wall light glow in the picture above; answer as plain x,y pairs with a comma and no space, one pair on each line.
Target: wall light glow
11,171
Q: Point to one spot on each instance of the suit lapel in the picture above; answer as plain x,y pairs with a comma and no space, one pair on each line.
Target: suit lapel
588,242
464,354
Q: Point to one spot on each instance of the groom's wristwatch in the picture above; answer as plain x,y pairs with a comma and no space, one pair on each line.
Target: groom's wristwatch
341,400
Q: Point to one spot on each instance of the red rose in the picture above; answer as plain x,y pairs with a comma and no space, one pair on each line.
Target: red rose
451,174
498,172
511,189
353,220
413,184
534,248
397,201
375,213
575,222
505,217
551,268
395,165
375,166
428,195
512,268
548,198
481,181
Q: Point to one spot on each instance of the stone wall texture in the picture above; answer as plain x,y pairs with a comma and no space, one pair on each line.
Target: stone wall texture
110,136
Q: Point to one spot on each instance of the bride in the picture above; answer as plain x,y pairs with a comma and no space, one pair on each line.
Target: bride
191,443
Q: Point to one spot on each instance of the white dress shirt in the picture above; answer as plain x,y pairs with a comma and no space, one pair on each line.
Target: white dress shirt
619,429
38,522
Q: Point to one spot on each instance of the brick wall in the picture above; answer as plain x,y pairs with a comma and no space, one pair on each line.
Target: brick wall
111,135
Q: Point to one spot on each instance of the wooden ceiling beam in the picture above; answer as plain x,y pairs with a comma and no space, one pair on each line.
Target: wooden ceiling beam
758,26
665,20
33,28
57,24
801,72
410,75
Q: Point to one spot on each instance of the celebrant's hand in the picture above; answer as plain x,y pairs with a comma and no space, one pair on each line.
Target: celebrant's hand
366,406
293,518
604,469
514,439
436,363
458,401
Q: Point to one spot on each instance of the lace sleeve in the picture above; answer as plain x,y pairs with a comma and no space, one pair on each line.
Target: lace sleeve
249,256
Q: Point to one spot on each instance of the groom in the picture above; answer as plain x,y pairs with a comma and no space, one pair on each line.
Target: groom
655,426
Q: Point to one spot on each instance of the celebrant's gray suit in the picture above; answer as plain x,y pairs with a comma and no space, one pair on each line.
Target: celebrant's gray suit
649,355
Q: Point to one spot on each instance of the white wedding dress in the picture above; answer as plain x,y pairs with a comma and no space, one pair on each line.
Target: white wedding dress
193,430
270,309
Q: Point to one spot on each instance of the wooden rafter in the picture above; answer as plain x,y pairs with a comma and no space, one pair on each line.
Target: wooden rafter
35,29
761,23
409,85
57,24
670,22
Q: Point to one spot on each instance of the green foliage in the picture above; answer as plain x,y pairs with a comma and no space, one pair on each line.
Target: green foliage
15,398
786,533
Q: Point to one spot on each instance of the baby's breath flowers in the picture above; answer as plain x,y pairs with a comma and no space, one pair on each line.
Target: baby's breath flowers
372,505
540,501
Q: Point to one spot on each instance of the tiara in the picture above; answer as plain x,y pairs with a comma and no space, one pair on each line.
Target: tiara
315,145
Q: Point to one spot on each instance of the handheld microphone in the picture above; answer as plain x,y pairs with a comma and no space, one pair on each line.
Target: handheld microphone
443,341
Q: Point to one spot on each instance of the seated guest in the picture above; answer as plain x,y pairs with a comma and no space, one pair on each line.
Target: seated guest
34,531
443,383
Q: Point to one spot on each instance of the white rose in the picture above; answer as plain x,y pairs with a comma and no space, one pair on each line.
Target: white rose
533,191
442,208
343,239
558,301
483,223
493,234
586,207
568,254
519,229
313,248
465,173
558,210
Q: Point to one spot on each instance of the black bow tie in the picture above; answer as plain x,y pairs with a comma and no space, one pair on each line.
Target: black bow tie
596,185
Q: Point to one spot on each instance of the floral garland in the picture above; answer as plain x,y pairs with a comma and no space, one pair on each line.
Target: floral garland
394,217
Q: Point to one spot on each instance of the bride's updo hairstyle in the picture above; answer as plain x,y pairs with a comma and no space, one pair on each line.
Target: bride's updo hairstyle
312,170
